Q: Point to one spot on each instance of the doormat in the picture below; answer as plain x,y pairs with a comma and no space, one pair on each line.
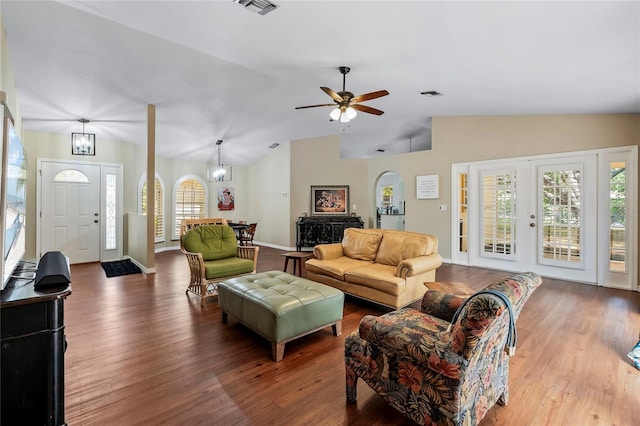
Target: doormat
120,267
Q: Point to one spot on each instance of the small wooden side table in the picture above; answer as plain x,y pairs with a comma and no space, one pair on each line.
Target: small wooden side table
298,257
451,287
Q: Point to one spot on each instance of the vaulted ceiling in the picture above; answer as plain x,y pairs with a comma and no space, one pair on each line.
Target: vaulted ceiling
216,70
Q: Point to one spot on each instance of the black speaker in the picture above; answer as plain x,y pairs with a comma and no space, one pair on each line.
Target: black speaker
53,270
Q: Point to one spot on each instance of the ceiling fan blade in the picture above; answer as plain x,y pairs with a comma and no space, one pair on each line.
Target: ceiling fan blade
333,94
369,96
368,109
313,106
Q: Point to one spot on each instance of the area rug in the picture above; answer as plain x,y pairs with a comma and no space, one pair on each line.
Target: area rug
120,267
634,355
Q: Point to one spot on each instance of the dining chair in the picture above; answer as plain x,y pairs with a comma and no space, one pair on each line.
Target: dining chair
246,237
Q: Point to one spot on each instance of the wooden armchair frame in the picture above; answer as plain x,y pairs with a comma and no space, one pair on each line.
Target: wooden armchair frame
198,282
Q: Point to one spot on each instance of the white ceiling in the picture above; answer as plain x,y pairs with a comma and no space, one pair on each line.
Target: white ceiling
217,71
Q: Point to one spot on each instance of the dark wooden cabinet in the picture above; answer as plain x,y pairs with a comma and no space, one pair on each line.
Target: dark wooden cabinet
323,229
32,354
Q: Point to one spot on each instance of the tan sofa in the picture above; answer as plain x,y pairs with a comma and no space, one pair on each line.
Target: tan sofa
385,266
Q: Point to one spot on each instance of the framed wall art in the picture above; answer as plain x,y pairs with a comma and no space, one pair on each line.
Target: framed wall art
330,200
226,198
427,187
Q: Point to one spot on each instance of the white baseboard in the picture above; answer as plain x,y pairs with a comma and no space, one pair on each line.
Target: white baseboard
275,246
143,268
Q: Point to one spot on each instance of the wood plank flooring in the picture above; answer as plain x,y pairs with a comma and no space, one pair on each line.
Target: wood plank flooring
141,352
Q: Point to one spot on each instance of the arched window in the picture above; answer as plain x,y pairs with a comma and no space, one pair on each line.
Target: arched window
189,201
71,175
158,225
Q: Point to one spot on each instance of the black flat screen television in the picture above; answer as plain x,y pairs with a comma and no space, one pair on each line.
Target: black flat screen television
14,201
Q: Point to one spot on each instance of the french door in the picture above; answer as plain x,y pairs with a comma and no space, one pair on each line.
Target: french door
541,214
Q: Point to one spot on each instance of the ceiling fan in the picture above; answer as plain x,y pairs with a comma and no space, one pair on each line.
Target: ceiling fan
346,103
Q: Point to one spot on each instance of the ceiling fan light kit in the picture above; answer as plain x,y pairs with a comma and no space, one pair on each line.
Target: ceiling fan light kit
345,103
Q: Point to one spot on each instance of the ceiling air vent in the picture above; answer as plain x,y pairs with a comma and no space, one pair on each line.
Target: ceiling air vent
274,145
431,93
261,7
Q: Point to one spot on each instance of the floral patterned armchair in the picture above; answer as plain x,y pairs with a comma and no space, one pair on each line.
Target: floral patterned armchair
434,371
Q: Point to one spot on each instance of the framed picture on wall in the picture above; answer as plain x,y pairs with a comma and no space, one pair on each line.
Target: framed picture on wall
226,198
330,200
387,195
427,187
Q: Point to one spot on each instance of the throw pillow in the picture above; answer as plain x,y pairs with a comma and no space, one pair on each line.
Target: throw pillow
361,244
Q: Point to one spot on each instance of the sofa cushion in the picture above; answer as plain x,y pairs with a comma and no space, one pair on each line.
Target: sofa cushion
361,244
379,277
398,246
335,268
213,241
227,267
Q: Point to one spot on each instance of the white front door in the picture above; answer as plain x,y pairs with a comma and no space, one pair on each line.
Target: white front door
70,210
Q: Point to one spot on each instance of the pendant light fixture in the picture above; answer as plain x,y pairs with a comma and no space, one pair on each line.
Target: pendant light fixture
217,175
83,143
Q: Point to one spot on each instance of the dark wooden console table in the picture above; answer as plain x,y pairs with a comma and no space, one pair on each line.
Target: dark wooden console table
32,353
314,230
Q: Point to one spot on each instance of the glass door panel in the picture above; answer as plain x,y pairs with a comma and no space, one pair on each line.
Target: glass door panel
617,217
564,217
561,216
498,216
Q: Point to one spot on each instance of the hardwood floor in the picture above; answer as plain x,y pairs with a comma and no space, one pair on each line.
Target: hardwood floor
141,352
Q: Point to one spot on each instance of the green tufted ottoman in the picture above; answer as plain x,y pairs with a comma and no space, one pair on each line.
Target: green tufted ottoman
281,307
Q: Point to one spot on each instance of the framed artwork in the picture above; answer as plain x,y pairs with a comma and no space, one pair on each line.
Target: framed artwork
226,198
330,200
427,187
387,195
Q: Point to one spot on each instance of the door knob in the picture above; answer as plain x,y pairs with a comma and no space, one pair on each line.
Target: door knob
533,225
95,221
95,214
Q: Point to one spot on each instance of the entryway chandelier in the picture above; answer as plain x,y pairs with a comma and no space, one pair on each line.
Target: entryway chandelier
83,143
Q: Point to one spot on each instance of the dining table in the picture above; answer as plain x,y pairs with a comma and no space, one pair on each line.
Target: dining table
238,228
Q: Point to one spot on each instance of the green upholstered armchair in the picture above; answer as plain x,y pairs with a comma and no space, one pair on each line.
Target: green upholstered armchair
213,254
435,366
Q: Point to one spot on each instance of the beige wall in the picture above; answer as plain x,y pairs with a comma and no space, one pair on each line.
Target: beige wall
317,162
239,183
268,187
56,146
466,139
133,157
276,189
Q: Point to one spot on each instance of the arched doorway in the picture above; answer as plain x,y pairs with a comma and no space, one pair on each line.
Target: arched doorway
389,201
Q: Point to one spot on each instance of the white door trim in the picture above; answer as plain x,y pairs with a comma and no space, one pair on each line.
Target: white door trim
627,280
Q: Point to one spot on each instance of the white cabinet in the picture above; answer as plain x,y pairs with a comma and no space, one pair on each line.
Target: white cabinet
392,221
